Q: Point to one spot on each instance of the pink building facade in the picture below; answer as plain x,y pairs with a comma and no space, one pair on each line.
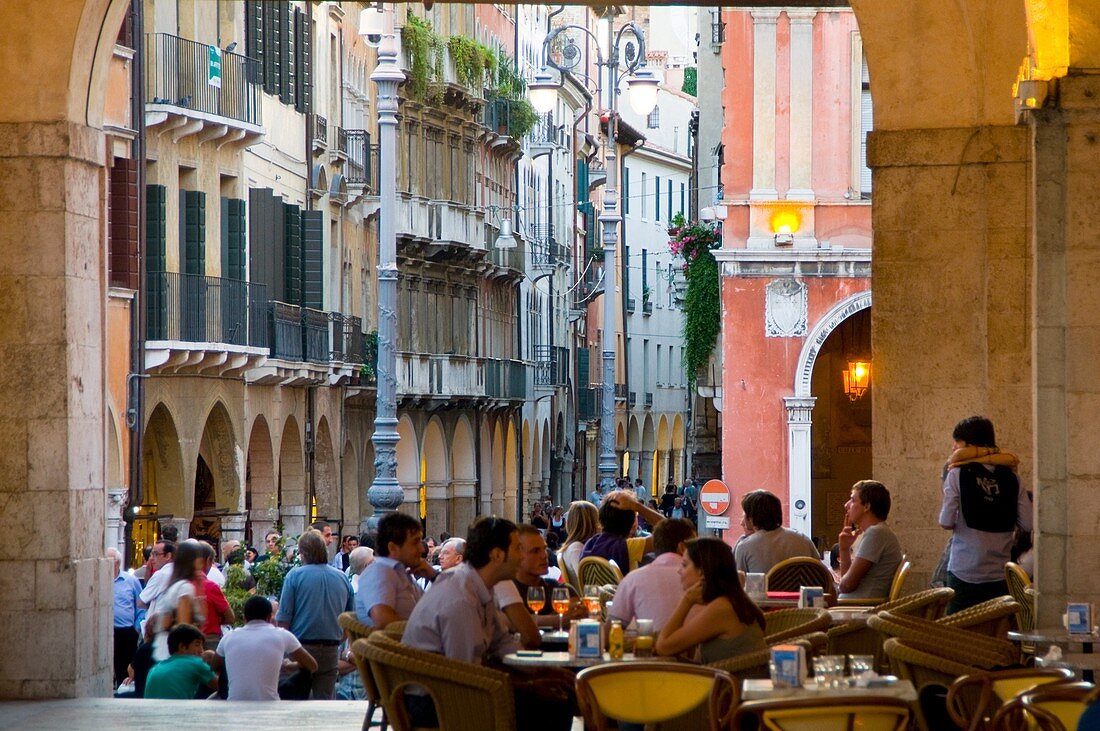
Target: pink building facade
795,261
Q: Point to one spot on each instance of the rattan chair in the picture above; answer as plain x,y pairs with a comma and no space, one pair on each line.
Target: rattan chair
755,664
793,573
826,714
857,638
986,649
784,624
994,617
1019,586
1053,707
467,697
993,689
599,571
356,630
653,692
396,630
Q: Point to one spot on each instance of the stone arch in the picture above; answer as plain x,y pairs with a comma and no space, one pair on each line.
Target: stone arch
326,478
261,499
841,311
408,460
511,465
163,489
677,432
221,451
497,485
436,473
292,478
527,450
463,477
544,452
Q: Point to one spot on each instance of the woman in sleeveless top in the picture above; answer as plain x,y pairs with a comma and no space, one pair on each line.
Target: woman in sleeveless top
726,622
183,602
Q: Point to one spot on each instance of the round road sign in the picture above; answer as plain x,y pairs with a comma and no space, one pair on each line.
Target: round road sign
714,497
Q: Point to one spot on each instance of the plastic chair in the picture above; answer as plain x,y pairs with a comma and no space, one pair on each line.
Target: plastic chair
793,573
599,571
652,692
1019,586
993,690
783,624
1053,707
467,697
356,630
826,714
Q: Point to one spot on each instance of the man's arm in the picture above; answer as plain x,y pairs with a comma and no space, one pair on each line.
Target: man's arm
382,614
523,622
949,510
304,659
852,577
1024,511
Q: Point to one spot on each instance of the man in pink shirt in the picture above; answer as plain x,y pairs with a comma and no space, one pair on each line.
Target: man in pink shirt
653,591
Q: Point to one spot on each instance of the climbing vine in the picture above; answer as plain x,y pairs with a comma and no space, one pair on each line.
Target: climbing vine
474,62
425,57
695,242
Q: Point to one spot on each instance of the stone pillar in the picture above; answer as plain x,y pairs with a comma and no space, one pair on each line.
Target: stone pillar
232,528
437,518
1065,144
799,421
763,104
463,506
645,466
802,107
635,462
260,528
55,617
116,503
951,322
662,470
294,519
676,467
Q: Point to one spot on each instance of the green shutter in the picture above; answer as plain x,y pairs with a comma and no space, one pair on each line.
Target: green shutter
584,396
286,52
292,259
313,223
589,228
303,62
269,45
657,198
193,232
626,190
156,237
582,180
233,239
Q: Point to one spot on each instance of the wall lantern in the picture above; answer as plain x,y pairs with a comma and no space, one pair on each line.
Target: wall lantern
784,224
857,379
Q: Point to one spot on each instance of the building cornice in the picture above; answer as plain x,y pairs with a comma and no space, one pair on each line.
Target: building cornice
853,263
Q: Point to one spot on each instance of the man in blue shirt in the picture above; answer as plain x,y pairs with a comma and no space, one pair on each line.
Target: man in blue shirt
387,591
314,594
127,615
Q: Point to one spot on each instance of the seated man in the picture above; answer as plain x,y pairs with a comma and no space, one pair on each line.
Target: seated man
387,592
511,596
450,553
253,654
868,572
654,590
180,676
618,521
458,619
767,542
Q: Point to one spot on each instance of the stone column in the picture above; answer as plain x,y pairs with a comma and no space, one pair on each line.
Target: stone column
676,467
232,528
463,507
294,519
951,322
635,462
799,421
662,470
802,104
1065,144
645,466
55,617
116,503
437,516
261,524
763,105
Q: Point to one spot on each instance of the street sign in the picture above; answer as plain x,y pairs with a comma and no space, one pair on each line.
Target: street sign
721,522
214,72
714,497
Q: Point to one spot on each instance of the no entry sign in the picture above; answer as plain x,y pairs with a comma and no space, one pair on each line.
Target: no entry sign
714,497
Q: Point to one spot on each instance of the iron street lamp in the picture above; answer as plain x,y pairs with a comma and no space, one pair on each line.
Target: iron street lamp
642,89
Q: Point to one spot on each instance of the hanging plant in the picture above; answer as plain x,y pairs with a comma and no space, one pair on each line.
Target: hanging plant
473,62
695,242
425,58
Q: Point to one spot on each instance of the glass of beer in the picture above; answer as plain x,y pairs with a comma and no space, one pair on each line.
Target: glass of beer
536,599
560,601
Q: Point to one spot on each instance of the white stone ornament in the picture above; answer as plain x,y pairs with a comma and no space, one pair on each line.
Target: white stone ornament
785,307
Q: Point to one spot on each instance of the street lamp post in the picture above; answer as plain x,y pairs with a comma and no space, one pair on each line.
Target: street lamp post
385,493
642,88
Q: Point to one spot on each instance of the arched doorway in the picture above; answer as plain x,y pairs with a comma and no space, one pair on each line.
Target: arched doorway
162,479
349,475
463,477
217,479
435,474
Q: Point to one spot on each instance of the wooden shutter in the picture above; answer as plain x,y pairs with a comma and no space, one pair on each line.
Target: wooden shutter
156,237
233,239
193,232
292,254
584,396
582,180
866,123
669,219
303,62
122,214
254,34
269,45
657,198
313,270
262,253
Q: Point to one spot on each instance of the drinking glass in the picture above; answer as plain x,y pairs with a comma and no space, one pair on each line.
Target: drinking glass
754,585
860,665
836,669
823,670
643,644
592,599
560,601
536,599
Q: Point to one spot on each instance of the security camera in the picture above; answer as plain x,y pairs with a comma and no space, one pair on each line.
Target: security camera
374,40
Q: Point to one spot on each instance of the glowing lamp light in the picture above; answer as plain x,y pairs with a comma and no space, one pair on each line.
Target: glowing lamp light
542,91
642,91
857,379
785,221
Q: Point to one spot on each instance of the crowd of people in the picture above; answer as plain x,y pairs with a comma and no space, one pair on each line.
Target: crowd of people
470,598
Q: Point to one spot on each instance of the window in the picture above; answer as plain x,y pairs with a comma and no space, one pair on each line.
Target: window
657,199
859,183
682,199
626,190
644,206
653,121
670,199
865,125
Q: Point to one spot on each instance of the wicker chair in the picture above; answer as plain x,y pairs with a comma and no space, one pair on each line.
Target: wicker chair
396,630
825,714
1053,707
598,571
654,692
755,664
793,573
467,697
784,624
994,617
1019,586
993,690
983,647
356,630
857,638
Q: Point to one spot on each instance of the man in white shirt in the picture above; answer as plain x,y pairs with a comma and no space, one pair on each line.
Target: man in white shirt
653,591
162,554
253,654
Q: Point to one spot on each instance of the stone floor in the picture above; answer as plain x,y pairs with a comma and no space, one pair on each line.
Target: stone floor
108,714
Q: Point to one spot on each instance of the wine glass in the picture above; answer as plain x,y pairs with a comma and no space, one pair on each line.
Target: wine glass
560,601
592,599
536,599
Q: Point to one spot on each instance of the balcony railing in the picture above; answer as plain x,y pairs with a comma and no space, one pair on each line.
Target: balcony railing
362,166
349,345
199,309
341,148
505,379
551,365
180,73
318,131
298,333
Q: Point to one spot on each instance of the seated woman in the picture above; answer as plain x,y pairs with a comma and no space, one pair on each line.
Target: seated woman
726,622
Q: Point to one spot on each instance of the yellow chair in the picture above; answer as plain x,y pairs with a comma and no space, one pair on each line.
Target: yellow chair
987,692
599,571
1019,586
1053,707
821,714
897,584
652,692
793,573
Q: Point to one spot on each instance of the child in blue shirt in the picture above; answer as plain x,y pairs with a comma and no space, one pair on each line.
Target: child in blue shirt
180,676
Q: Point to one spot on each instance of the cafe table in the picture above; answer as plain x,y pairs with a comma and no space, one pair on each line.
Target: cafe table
753,689
1087,661
777,600
566,660
846,615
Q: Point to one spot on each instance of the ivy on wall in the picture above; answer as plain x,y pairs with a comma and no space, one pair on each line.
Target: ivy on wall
691,81
695,242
